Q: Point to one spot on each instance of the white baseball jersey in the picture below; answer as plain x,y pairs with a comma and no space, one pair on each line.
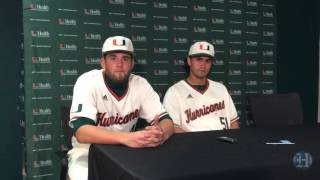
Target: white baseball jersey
213,109
93,99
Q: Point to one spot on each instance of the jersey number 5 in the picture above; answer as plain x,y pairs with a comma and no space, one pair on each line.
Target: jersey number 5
224,122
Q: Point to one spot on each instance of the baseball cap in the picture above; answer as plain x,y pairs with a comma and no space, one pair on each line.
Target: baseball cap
117,43
201,48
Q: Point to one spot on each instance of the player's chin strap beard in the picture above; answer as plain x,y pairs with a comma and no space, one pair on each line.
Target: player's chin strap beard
116,87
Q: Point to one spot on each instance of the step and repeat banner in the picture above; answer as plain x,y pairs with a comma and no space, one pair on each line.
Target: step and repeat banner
63,39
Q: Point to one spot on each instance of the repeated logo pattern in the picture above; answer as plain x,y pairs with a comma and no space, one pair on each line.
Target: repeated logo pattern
63,39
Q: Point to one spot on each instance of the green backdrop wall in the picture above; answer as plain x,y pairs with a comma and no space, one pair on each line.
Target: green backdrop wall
62,39
10,74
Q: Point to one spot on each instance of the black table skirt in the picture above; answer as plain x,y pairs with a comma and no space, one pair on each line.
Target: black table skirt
199,155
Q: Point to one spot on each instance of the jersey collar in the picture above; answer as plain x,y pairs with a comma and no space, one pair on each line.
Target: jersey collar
198,90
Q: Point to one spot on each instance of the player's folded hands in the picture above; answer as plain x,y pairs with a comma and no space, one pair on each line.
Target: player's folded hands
154,135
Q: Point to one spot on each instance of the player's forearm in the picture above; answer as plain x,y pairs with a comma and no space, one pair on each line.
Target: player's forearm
94,135
178,129
167,128
234,125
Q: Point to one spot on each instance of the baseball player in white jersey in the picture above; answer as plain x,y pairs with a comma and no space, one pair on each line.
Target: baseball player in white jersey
198,103
107,103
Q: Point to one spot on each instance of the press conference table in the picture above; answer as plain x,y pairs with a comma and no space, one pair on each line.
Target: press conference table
200,156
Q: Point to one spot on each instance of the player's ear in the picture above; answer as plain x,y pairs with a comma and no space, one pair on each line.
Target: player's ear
189,61
133,62
102,62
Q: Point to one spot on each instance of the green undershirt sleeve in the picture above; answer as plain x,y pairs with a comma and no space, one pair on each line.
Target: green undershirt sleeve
80,122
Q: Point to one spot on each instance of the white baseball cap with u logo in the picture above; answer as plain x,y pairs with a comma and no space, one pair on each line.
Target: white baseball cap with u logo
117,43
201,48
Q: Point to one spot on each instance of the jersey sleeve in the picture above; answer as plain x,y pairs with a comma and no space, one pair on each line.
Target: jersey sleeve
150,102
83,100
172,106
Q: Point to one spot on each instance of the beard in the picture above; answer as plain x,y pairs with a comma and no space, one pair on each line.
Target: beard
118,77
200,74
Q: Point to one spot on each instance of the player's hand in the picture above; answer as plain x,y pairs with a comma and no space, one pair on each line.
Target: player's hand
136,139
154,135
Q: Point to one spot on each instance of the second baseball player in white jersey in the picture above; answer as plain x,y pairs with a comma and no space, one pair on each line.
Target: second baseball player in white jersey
193,110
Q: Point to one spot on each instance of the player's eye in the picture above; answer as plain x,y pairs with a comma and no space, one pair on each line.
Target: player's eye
198,59
126,58
208,60
111,57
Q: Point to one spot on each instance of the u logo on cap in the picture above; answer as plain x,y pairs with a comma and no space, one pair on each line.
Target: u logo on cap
202,47
118,43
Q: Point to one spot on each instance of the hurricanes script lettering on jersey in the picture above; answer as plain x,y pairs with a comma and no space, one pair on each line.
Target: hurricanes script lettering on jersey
205,110
104,121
